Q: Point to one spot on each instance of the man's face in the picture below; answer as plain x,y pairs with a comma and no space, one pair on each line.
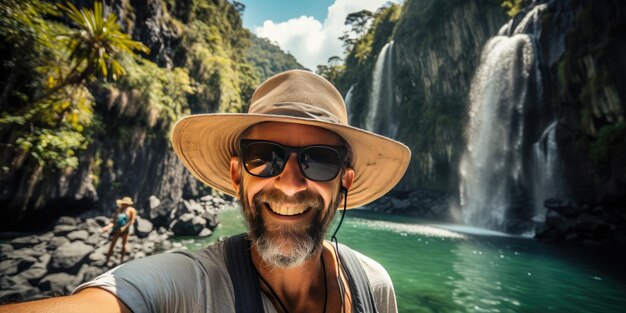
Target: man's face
288,215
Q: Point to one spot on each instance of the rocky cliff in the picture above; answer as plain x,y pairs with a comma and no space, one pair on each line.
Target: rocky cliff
198,62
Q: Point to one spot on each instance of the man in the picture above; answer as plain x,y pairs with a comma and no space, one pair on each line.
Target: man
292,160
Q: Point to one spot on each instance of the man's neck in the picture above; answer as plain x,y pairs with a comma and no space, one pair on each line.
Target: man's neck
302,288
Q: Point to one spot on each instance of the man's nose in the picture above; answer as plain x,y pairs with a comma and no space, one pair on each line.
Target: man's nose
291,180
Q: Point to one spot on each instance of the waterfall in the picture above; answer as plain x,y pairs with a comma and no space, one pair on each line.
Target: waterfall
500,187
348,102
379,118
548,179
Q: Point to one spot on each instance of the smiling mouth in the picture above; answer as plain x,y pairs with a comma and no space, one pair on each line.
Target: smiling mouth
286,210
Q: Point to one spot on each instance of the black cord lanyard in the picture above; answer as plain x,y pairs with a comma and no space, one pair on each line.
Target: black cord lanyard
276,295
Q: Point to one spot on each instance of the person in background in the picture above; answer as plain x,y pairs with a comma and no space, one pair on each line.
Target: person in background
123,218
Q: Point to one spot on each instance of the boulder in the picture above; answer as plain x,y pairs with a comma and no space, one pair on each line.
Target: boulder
68,220
19,293
102,220
188,225
62,230
5,250
69,257
27,241
205,232
78,235
33,275
58,281
56,242
88,272
153,202
9,267
143,227
148,247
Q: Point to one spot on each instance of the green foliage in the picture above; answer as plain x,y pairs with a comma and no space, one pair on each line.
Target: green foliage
333,70
53,114
268,59
513,7
160,93
97,41
53,146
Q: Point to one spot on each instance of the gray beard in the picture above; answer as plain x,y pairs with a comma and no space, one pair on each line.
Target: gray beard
287,246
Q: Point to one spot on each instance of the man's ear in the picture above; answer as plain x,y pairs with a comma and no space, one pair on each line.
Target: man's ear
235,173
347,178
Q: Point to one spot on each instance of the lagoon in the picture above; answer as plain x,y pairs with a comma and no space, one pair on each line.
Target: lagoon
452,268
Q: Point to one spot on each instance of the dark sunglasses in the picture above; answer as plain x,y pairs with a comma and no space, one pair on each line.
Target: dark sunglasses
263,158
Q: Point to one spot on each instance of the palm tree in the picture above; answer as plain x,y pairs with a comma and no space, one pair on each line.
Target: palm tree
96,44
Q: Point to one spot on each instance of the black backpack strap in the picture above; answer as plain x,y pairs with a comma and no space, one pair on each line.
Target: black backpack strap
362,298
243,275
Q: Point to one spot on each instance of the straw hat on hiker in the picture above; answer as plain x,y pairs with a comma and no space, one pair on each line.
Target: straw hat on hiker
206,142
125,200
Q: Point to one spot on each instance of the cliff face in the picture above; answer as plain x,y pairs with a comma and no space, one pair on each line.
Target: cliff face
197,63
582,45
438,50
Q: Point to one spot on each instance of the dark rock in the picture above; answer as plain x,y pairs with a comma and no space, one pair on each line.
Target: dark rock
58,281
556,221
43,261
102,220
68,220
205,232
57,242
88,272
188,225
33,275
27,241
211,219
62,230
148,247
5,250
19,293
78,235
143,227
9,267
68,257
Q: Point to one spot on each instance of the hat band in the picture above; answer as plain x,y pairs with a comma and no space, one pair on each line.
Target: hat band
302,110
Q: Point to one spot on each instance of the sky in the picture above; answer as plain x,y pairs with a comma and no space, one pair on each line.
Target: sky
309,30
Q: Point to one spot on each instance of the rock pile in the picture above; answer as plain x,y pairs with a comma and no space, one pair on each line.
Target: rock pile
585,224
421,203
74,251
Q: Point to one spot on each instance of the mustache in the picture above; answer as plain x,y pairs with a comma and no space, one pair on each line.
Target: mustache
275,197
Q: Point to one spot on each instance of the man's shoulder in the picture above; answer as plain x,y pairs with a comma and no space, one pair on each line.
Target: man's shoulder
376,273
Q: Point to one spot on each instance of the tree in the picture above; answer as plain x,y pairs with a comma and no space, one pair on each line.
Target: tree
61,108
359,23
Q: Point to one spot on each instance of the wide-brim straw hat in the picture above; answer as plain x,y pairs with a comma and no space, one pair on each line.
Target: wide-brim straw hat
205,142
125,200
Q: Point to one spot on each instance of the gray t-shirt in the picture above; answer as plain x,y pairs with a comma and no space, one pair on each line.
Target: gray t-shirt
182,281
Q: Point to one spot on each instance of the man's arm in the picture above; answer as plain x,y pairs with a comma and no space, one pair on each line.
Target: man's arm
93,300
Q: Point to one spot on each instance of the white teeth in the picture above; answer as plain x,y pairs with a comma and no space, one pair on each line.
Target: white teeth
287,210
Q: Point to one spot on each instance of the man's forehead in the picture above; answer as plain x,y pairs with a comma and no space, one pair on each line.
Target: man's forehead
292,134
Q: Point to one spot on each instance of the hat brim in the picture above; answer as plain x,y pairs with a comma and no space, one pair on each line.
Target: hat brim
205,143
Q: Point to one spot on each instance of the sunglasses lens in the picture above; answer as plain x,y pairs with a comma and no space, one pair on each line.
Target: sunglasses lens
320,163
264,159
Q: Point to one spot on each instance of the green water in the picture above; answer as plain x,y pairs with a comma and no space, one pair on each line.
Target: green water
435,269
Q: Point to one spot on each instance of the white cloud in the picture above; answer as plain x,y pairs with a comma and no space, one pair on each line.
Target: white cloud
311,41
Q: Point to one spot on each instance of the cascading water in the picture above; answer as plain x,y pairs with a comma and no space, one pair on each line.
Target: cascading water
548,182
348,102
380,117
499,185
